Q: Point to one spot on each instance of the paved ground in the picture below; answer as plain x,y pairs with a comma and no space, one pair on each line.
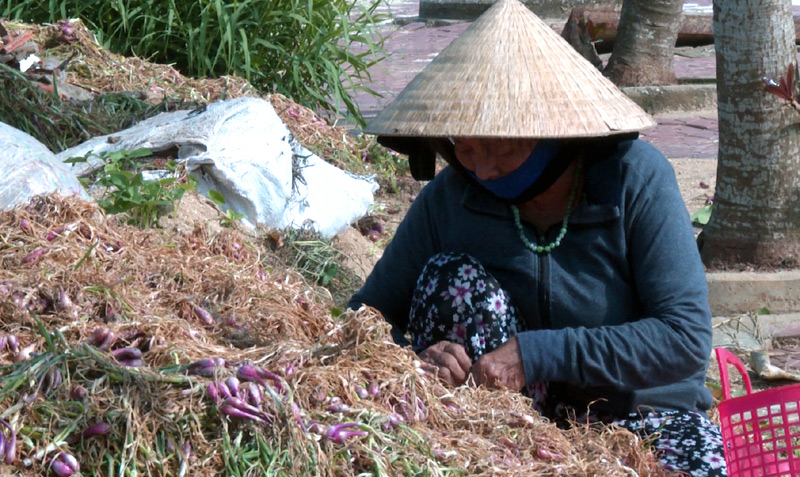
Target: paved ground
414,44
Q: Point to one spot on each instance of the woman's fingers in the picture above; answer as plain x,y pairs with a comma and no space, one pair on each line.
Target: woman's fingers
501,368
451,359
460,354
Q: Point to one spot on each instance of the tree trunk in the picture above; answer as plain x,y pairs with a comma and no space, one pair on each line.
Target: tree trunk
756,214
645,44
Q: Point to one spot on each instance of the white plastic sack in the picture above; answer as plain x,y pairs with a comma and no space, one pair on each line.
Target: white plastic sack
242,149
30,169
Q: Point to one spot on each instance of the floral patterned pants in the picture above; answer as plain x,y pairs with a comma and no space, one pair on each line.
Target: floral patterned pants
457,300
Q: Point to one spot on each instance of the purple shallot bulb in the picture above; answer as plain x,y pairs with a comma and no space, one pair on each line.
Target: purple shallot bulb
10,450
298,416
33,256
547,455
25,353
130,363
276,380
70,460
212,392
339,433
202,315
78,393
232,411
401,409
108,341
203,367
224,392
233,385
373,389
422,410
390,423
247,372
342,407
61,469
102,338
254,395
97,429
316,428
13,343
50,380
126,354
235,407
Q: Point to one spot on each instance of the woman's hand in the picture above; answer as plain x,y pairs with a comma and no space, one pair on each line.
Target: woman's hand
501,368
451,359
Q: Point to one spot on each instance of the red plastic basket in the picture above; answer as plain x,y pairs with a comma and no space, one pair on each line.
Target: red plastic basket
760,431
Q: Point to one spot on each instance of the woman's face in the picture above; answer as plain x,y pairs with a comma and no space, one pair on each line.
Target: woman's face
492,158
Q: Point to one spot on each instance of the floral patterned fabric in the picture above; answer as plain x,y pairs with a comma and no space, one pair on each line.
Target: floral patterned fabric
456,300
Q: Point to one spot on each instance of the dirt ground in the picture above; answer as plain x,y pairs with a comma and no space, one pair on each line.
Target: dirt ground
697,179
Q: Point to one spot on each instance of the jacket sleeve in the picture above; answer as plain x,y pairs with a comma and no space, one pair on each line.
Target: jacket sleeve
672,339
390,285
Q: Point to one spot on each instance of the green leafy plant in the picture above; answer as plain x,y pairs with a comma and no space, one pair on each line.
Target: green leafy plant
702,216
127,191
317,52
316,259
230,216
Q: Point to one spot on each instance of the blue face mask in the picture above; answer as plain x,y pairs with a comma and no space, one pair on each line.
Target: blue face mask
513,184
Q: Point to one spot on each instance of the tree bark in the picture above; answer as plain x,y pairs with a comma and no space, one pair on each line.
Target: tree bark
645,44
756,213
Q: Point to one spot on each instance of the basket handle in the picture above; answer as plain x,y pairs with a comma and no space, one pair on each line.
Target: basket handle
725,357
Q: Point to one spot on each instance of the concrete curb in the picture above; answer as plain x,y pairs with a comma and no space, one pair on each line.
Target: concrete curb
734,293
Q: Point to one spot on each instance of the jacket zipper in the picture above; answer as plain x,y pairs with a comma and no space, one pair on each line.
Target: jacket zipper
544,292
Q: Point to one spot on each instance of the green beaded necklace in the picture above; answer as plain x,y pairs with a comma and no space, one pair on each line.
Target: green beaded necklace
555,243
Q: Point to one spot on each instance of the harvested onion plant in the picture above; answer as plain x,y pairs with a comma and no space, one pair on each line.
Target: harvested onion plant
131,352
60,124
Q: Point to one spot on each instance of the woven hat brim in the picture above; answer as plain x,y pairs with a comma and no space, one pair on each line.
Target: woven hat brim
510,75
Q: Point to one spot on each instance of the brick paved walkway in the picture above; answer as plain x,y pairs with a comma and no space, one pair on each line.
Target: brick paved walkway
413,45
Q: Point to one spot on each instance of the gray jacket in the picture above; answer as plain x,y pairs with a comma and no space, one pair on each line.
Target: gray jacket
618,312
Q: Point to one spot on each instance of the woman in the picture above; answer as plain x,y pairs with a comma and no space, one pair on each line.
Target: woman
555,255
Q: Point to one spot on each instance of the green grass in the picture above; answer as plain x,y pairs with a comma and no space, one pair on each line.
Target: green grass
318,261
61,124
317,52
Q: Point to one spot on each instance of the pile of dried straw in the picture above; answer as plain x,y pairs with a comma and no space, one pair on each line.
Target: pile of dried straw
122,338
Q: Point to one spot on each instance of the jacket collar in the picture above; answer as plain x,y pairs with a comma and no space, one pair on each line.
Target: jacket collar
599,202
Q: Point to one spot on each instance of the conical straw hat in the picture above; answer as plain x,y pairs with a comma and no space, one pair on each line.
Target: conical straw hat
510,75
